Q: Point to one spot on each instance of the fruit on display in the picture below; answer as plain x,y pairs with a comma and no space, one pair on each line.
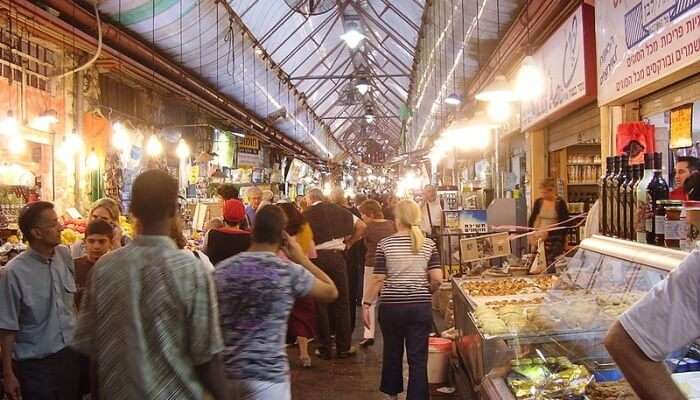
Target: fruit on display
126,226
70,236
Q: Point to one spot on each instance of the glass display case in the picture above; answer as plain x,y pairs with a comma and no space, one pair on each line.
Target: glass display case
519,335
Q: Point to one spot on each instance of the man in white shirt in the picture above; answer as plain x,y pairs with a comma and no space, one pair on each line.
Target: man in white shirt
665,320
431,209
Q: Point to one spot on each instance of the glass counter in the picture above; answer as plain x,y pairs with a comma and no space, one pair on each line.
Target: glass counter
505,324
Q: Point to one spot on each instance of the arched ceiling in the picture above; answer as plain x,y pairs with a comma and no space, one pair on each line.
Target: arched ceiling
293,69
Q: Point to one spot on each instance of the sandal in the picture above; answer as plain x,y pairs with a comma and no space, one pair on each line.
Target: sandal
305,361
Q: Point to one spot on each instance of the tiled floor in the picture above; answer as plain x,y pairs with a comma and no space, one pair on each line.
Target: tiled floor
356,378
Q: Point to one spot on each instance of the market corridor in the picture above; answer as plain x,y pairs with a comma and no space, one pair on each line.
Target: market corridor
354,378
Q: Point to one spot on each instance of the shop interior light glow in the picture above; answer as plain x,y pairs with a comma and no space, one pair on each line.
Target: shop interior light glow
327,189
120,137
92,163
74,143
499,111
44,121
352,37
182,150
9,125
499,89
153,147
529,82
17,145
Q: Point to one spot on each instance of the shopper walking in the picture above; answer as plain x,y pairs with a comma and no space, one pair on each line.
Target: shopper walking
407,270
354,255
225,242
547,211
149,320
331,225
302,321
254,195
107,210
377,229
228,191
431,211
37,313
256,291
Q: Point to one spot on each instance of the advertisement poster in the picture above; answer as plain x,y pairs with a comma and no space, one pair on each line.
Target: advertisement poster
681,126
473,221
562,59
485,247
641,41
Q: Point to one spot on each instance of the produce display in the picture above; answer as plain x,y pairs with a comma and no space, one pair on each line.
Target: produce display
578,312
537,378
508,286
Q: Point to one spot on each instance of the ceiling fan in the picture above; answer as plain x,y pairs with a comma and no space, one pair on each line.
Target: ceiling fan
311,7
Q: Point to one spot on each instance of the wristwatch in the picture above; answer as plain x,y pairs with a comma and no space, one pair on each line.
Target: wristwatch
368,304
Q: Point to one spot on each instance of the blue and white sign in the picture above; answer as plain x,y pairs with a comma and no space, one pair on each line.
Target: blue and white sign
639,42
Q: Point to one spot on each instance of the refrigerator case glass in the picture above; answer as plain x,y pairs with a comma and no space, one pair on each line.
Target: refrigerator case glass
504,321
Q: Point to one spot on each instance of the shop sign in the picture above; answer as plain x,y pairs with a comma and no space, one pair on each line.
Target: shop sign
249,160
249,145
641,41
485,247
566,61
681,126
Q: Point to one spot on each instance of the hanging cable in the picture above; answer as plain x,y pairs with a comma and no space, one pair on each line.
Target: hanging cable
97,53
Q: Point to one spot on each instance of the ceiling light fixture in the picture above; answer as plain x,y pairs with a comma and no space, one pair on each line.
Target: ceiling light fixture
498,90
352,36
529,83
454,99
9,125
362,86
92,163
369,116
153,147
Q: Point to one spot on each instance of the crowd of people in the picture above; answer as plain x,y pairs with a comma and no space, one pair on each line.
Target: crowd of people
150,318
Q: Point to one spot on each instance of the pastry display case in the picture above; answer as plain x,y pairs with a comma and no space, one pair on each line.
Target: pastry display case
533,334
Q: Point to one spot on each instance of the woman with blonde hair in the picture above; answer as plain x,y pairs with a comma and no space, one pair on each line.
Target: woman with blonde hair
547,211
107,210
407,271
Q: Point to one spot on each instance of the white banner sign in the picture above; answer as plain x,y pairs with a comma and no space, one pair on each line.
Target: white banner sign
562,61
640,41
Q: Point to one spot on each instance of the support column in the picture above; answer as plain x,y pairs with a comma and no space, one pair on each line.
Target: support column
536,161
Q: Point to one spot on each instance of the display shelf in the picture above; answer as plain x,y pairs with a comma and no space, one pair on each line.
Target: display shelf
583,184
603,279
583,164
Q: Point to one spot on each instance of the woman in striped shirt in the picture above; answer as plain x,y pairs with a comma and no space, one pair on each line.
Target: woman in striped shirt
407,270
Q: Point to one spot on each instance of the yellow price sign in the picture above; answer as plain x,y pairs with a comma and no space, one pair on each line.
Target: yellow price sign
681,126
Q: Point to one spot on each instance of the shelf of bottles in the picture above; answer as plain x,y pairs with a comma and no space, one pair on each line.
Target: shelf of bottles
636,203
583,169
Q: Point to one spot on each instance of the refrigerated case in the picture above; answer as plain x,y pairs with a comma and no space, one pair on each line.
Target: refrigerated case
564,315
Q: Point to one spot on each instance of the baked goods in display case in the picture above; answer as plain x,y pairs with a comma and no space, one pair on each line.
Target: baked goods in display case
536,316
508,286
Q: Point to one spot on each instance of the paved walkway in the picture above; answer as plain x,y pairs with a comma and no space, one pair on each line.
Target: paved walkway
356,378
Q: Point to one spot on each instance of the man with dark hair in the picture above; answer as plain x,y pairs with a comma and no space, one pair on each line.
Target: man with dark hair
257,290
155,302
98,241
37,314
333,226
227,191
685,166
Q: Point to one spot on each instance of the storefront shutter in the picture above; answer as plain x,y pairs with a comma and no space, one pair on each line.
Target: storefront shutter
581,126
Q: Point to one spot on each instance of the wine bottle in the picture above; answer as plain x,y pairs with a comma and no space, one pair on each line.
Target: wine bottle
622,181
610,191
603,222
636,175
640,208
656,190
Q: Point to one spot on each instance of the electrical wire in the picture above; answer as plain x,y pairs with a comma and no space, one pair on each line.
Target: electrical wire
97,53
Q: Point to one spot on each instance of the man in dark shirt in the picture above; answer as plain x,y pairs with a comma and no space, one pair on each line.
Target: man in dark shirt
334,227
98,241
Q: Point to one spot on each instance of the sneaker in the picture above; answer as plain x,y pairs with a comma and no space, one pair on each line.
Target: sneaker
367,342
347,354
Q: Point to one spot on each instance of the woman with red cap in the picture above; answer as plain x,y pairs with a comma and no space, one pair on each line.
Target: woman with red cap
229,240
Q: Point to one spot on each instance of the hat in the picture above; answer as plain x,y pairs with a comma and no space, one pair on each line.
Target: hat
234,211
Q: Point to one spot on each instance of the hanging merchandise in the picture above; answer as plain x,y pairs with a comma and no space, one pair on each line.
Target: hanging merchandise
113,176
635,139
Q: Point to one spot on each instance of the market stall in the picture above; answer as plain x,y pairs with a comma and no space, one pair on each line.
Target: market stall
524,336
